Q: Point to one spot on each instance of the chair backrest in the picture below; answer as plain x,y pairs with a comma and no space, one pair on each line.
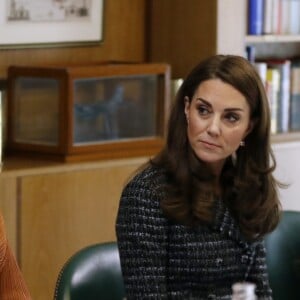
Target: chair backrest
283,257
93,273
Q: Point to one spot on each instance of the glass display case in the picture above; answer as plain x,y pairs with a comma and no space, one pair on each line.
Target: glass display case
83,112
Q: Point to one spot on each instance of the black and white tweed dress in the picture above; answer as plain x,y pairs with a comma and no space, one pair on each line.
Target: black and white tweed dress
164,260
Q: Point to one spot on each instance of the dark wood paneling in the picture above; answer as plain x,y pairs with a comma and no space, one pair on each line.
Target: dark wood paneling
181,32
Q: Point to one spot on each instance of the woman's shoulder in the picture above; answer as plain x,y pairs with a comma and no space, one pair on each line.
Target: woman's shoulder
149,176
147,183
140,199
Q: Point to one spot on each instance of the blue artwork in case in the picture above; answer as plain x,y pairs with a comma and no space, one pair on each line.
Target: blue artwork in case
116,108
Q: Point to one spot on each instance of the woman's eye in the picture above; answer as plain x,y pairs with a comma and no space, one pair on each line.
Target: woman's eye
232,118
203,110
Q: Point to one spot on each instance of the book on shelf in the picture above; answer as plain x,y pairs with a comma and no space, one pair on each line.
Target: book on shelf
255,17
288,17
261,68
268,17
295,96
294,17
272,90
276,16
273,17
250,53
284,17
283,109
275,75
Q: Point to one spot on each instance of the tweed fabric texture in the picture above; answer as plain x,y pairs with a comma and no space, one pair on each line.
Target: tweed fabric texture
165,260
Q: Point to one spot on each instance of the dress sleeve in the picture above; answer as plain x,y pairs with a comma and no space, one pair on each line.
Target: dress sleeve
12,284
142,240
259,275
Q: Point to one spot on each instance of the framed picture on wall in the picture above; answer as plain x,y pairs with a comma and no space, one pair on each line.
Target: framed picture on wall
46,23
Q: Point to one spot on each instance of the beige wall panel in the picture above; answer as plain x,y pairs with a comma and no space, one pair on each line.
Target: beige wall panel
62,213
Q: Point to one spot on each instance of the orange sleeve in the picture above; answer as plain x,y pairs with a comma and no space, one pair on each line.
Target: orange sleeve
12,284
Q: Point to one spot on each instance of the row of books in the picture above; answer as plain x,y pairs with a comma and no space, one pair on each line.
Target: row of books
273,17
282,82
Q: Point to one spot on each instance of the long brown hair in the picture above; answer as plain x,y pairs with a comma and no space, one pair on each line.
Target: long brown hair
249,188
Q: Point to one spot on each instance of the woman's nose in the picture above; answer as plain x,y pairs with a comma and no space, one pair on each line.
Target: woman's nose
214,126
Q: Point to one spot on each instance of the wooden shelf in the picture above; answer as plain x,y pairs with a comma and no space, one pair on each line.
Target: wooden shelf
286,137
271,38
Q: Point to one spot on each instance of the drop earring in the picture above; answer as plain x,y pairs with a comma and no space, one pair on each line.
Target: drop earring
234,154
234,158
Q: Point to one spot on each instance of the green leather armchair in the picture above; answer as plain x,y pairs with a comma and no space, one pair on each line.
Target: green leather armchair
93,273
283,257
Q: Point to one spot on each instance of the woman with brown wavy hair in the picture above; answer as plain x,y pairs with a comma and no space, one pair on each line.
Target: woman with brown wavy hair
191,222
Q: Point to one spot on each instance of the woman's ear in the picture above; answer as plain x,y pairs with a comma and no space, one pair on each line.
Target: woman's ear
186,105
250,127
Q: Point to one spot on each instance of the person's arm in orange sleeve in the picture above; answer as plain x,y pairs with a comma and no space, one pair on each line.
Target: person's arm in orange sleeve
12,283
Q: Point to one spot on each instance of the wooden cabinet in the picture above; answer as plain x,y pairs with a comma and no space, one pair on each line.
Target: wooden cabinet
52,210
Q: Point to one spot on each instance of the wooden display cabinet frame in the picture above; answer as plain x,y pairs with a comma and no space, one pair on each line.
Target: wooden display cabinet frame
65,149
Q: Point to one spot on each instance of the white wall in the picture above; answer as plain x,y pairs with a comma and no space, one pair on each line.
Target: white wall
288,170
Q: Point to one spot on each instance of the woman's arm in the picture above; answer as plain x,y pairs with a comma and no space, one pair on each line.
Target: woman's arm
12,284
142,241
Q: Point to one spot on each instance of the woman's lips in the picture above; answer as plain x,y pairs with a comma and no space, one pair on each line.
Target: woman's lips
210,145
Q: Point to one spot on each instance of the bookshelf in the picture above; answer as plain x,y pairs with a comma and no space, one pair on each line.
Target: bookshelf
277,39
286,146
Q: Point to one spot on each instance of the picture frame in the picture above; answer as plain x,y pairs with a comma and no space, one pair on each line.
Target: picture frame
50,23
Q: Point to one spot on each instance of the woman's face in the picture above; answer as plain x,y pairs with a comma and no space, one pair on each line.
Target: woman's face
218,119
